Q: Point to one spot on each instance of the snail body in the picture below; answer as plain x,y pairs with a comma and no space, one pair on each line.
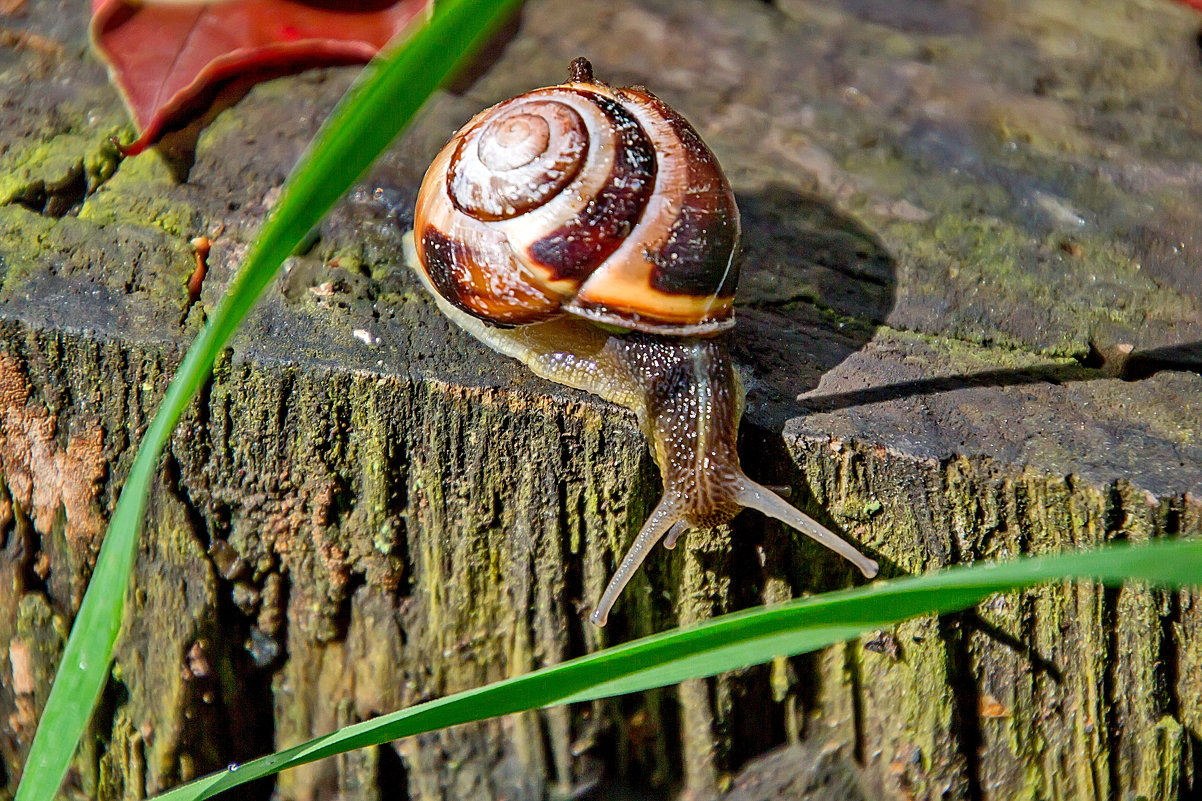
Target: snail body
589,232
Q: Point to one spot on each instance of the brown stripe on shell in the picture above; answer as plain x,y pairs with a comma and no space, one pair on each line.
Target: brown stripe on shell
485,285
695,258
580,245
674,275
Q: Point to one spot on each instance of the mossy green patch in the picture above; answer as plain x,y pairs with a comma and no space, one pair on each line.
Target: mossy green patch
124,258
1039,293
139,193
21,233
66,163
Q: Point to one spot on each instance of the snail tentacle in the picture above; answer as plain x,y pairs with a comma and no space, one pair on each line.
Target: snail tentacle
664,520
755,496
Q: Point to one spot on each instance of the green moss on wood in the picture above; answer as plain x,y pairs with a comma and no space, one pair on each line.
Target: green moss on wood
67,163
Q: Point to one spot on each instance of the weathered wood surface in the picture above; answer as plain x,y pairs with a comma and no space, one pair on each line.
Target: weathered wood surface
959,219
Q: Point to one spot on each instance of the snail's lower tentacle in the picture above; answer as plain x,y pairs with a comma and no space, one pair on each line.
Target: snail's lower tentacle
664,519
755,496
674,534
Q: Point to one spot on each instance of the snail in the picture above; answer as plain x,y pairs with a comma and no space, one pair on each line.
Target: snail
589,232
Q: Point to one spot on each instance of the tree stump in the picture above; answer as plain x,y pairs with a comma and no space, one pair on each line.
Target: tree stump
970,326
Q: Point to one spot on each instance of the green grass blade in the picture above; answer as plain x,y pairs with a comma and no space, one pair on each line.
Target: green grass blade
389,94
729,642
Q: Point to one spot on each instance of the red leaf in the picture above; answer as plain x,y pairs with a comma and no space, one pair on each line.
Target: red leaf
170,58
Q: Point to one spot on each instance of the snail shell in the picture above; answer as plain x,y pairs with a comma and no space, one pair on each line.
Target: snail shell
581,199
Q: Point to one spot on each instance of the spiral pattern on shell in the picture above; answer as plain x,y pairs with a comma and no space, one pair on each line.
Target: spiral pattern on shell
582,199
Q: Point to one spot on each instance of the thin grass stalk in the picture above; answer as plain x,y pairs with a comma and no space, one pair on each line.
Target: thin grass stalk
727,643
382,102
